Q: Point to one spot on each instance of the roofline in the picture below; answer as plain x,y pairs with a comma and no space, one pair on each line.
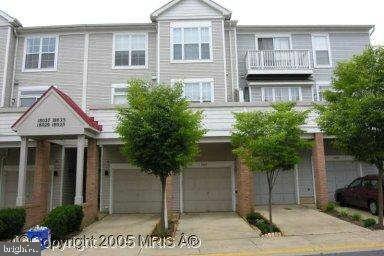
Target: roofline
226,13
340,26
10,19
86,27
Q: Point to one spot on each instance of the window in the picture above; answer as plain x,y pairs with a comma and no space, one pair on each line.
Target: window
273,43
40,53
270,94
320,88
321,52
198,90
130,50
191,43
118,94
356,183
29,95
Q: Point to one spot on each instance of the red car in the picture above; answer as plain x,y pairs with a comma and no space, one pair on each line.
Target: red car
362,193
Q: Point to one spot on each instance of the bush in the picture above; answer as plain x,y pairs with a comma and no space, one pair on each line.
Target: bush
356,217
12,221
256,219
64,220
370,222
344,213
330,207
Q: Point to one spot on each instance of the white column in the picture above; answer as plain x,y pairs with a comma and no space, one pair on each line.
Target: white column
20,199
79,169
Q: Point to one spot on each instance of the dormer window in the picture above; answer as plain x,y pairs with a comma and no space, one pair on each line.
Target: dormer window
191,41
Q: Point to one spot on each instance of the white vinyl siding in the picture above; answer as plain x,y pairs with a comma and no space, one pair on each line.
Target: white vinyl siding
40,53
119,94
321,50
272,94
29,95
191,42
130,50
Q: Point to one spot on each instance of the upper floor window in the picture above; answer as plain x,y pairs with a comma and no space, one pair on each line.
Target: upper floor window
321,50
271,94
191,42
198,90
130,50
119,94
41,53
30,94
273,43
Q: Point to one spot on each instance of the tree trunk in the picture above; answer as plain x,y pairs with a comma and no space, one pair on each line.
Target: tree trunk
164,210
270,203
380,199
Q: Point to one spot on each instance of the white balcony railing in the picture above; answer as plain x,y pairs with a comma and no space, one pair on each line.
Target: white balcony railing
278,60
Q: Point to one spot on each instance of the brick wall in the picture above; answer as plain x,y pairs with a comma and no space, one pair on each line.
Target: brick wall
244,186
320,174
38,207
91,206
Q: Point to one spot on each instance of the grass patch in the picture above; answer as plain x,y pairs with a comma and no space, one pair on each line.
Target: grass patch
330,207
173,221
257,220
369,223
356,217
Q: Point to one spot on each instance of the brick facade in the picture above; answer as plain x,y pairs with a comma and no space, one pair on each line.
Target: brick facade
318,156
91,205
38,207
244,186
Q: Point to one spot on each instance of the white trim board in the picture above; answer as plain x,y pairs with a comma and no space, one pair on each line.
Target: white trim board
5,71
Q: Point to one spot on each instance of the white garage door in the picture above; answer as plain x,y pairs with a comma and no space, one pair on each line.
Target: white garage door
135,192
340,174
283,192
207,189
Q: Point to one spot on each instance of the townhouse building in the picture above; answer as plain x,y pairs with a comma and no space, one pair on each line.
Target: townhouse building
60,85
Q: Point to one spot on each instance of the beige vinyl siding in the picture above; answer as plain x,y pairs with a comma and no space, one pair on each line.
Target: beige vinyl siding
190,9
3,44
214,69
245,42
100,72
69,74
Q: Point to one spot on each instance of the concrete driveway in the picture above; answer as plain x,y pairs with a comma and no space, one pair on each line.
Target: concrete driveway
111,226
294,220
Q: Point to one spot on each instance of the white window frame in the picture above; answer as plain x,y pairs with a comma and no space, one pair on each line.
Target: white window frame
113,93
274,93
314,50
130,66
316,93
200,81
273,36
29,88
39,69
184,25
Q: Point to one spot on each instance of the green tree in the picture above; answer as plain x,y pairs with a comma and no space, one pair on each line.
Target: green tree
270,141
355,111
160,134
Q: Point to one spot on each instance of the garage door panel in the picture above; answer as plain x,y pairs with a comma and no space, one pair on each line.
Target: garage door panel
340,174
135,192
283,191
207,189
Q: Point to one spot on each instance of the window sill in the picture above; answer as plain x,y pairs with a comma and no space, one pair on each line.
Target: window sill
190,61
129,67
39,70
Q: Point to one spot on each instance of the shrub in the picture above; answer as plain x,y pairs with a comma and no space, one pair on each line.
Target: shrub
356,217
370,222
12,221
330,207
262,224
64,220
344,213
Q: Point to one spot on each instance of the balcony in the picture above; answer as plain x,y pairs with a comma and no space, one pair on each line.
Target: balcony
271,63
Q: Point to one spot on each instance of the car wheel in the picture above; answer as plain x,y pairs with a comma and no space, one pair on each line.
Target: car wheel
373,207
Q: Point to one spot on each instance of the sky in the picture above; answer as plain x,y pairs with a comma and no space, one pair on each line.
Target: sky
247,12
